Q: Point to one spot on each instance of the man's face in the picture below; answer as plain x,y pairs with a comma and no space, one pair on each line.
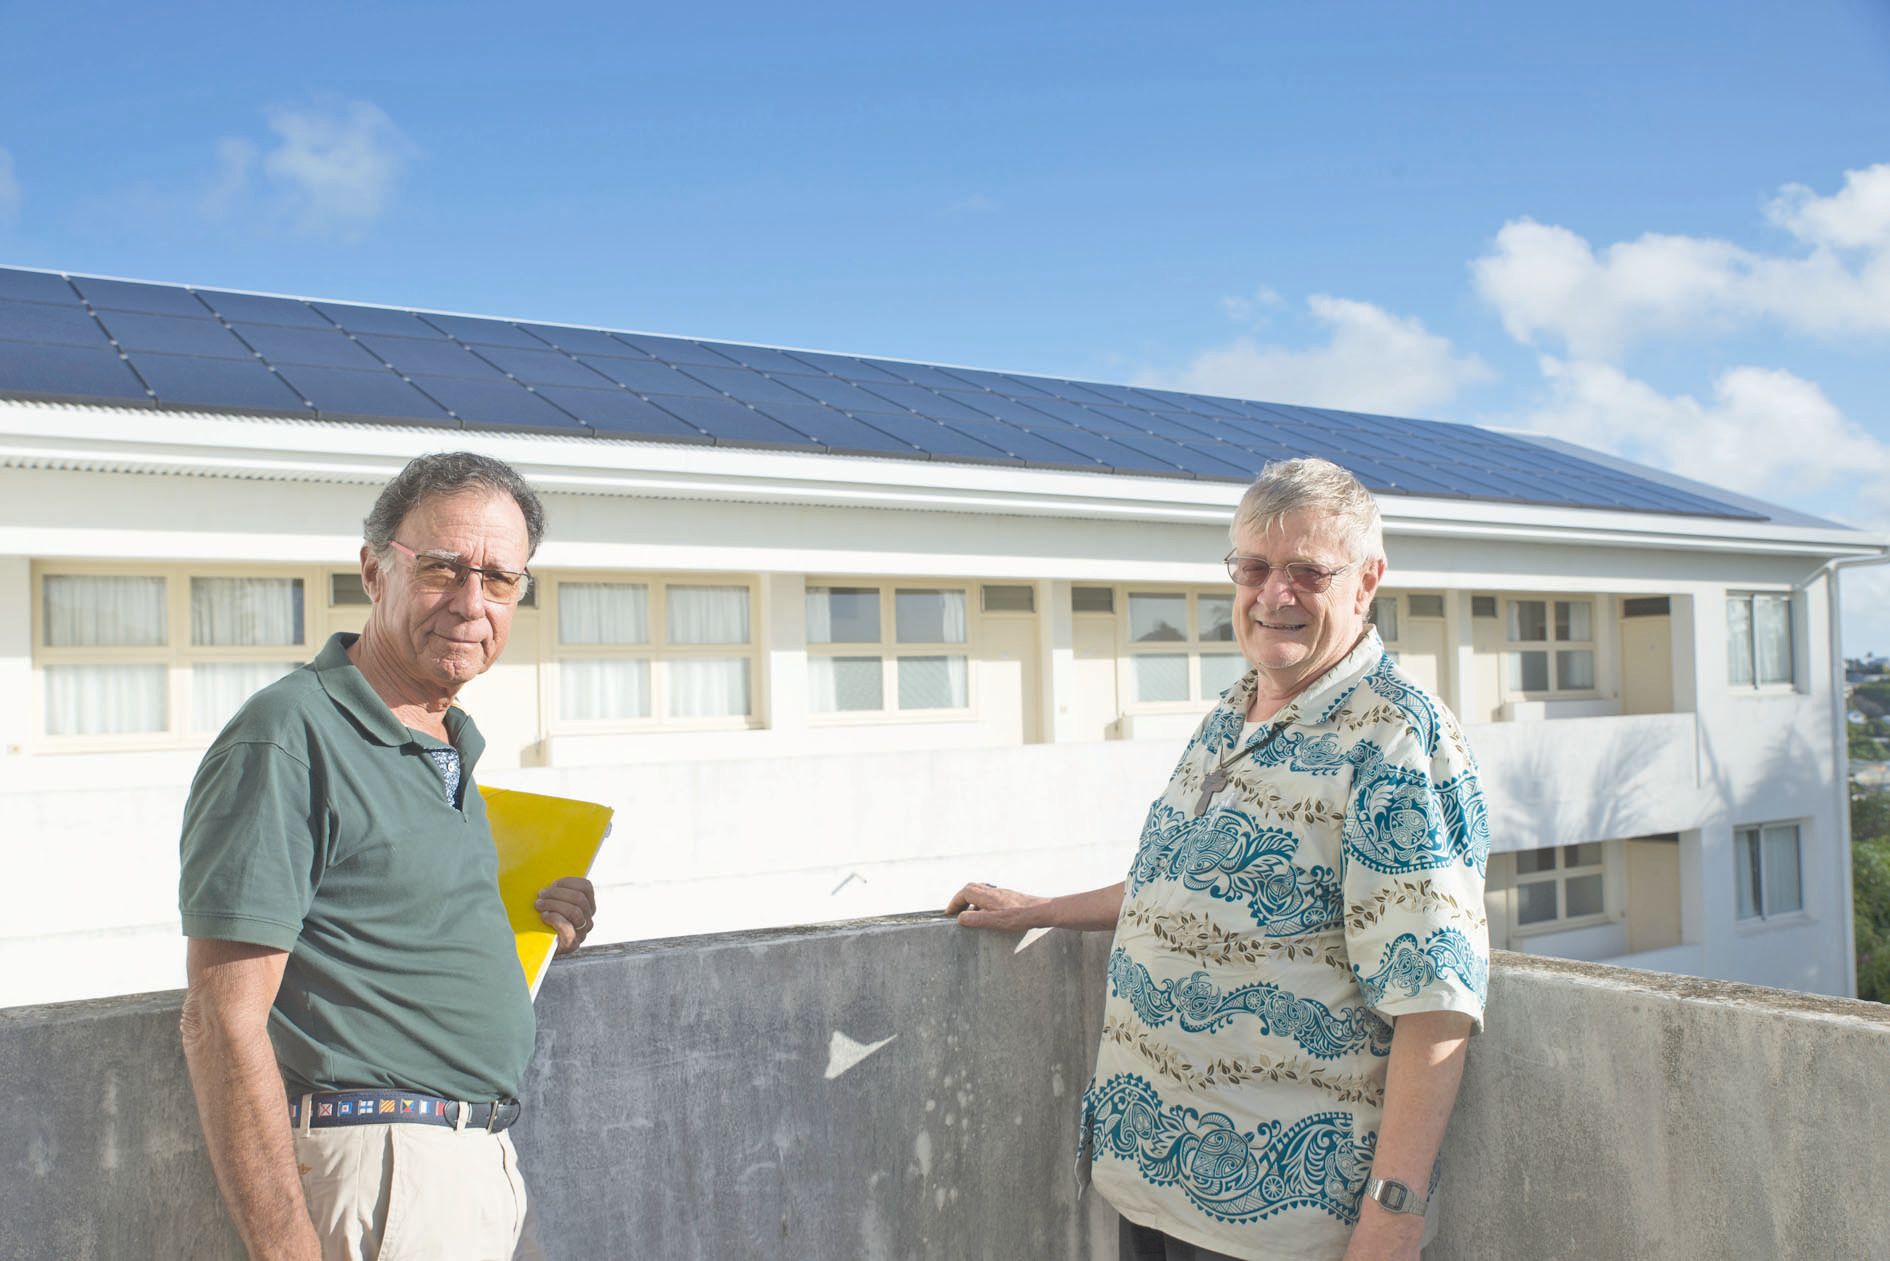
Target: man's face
1293,635
444,639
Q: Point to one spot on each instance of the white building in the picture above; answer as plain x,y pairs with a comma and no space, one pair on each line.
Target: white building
820,675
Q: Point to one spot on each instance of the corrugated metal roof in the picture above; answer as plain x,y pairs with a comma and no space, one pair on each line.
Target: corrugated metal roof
87,339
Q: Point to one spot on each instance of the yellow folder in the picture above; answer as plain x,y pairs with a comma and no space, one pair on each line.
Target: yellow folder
540,840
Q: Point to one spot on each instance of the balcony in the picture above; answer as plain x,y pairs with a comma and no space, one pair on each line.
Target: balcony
901,1088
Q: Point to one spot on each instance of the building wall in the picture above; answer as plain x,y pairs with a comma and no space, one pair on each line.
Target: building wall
1041,784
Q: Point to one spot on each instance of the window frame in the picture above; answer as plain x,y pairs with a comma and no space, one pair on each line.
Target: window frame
1560,875
1764,917
177,654
889,649
1750,598
553,652
1193,646
1514,648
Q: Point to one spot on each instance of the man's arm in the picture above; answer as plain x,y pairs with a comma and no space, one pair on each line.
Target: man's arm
987,906
240,1097
1427,1051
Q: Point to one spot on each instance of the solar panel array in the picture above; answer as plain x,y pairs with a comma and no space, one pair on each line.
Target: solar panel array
121,342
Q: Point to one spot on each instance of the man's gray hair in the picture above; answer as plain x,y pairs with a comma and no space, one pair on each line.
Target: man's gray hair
1312,484
450,473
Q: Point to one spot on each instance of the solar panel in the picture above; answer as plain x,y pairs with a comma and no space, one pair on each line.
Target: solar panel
352,394
838,431
477,332
761,359
373,319
34,286
646,376
173,335
834,392
497,403
420,356
591,381
583,341
68,372
621,413
674,350
70,325
729,423
543,367
329,347
846,367
222,384
744,384
925,402
250,308
126,295
937,439
1027,446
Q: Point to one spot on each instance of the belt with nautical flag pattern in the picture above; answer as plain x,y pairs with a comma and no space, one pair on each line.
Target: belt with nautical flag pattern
382,1107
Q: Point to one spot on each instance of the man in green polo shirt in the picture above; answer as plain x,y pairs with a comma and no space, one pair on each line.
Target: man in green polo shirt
357,1022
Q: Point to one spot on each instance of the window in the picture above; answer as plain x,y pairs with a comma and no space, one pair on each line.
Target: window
1181,646
1551,646
1560,885
880,649
1092,599
1009,599
161,654
1769,879
631,651
1758,639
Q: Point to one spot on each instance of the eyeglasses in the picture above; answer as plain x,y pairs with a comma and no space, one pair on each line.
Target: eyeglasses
1251,571
436,573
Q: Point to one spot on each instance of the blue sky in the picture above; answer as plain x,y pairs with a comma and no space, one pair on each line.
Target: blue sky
1658,228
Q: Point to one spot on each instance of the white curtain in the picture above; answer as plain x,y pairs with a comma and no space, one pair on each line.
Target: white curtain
244,611
1772,628
604,687
1739,640
1161,676
1783,891
106,700
836,684
932,683
218,690
929,617
1220,671
842,615
82,611
1574,621
707,615
603,613
708,687
1574,670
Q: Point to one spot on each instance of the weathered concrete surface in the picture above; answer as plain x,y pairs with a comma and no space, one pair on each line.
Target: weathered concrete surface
735,1097
1613,1113
679,1105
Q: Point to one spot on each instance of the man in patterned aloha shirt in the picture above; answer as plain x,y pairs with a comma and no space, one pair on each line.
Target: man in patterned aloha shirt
1300,949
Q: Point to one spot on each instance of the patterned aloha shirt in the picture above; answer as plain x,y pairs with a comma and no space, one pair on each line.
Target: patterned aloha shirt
1332,883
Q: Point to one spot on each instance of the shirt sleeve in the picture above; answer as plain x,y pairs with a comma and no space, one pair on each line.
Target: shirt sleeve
251,848
1415,845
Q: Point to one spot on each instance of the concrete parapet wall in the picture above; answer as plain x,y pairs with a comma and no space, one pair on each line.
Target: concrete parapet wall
904,1089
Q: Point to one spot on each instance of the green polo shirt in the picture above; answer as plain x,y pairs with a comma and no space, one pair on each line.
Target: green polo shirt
317,824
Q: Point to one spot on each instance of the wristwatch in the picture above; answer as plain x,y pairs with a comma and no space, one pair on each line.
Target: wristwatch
1394,1196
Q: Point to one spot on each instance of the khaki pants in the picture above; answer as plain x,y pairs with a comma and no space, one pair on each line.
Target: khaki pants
411,1192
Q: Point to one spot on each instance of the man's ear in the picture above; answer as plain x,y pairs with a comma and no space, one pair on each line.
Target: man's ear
1370,574
370,574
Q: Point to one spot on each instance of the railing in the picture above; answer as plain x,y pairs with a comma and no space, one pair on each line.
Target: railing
906,1089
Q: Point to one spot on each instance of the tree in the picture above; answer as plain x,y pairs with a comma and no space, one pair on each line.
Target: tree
1870,892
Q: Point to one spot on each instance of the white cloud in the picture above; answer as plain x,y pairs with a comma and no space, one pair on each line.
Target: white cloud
9,189
1764,431
975,204
1373,361
1244,310
331,170
1549,282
